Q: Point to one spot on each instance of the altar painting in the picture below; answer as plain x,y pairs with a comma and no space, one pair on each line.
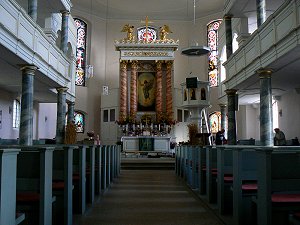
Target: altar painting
146,91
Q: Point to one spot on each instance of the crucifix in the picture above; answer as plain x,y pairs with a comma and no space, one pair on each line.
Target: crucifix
146,23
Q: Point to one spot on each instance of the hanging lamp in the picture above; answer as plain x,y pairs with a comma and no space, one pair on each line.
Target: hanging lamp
195,50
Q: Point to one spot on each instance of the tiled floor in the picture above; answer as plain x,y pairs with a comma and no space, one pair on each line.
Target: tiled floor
144,197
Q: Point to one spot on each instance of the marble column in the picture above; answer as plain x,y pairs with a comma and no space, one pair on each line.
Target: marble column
61,115
261,12
71,118
223,116
64,31
158,88
228,31
169,93
123,90
26,120
133,88
231,133
32,9
266,112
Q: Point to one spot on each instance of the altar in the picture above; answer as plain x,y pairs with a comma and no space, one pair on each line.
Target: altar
146,143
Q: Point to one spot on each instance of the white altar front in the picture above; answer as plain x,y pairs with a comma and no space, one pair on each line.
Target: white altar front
160,143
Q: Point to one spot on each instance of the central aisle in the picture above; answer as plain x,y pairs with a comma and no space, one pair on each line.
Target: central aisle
144,197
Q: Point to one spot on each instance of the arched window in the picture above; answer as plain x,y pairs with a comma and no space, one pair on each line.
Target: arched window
215,122
80,52
16,113
223,58
235,44
79,121
212,42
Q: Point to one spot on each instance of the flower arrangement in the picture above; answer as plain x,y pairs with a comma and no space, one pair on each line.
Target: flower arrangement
166,118
193,130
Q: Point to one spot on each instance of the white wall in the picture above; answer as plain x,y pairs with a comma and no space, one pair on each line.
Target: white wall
6,103
46,119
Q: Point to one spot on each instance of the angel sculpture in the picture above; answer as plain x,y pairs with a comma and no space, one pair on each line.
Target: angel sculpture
164,30
129,29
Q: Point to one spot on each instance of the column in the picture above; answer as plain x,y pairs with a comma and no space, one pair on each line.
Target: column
61,115
169,93
223,116
123,90
158,88
133,89
231,133
228,31
64,31
266,112
26,120
71,118
32,9
260,12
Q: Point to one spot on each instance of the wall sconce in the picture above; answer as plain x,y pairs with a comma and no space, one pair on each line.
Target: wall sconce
46,118
280,112
9,110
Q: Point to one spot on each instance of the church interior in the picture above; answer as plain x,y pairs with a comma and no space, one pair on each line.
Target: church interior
208,89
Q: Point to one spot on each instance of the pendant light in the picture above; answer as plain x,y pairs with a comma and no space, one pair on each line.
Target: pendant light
195,50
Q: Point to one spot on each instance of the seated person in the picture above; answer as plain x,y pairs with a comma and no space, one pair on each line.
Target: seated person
220,139
279,138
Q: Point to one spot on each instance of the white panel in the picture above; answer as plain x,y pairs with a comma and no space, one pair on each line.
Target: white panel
267,40
8,20
26,36
284,27
42,49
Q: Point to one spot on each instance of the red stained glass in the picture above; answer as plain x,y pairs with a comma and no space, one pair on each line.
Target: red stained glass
80,52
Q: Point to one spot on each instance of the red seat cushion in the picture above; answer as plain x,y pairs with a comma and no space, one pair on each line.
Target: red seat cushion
58,185
286,198
228,178
28,197
249,187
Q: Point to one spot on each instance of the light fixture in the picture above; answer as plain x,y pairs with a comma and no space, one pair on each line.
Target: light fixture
195,50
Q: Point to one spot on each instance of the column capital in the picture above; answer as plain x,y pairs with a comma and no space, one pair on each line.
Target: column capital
227,17
29,69
231,92
264,72
62,89
65,12
222,105
158,64
134,64
71,103
169,63
123,64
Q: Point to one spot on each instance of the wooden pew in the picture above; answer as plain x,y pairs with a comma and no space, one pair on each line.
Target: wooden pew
63,184
211,165
98,165
244,183
278,184
104,168
90,174
79,179
201,170
224,179
8,174
34,178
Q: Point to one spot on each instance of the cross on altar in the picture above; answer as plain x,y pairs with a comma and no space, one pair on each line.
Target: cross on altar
146,21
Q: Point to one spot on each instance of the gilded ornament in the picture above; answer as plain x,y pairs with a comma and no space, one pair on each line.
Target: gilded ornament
164,30
129,29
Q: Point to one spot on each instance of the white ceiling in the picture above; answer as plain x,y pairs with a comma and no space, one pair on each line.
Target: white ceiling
155,9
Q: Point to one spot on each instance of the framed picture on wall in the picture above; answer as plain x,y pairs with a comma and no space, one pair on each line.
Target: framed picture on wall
146,91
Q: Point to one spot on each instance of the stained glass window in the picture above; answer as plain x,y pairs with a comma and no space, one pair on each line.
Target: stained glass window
215,122
212,42
79,122
80,52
